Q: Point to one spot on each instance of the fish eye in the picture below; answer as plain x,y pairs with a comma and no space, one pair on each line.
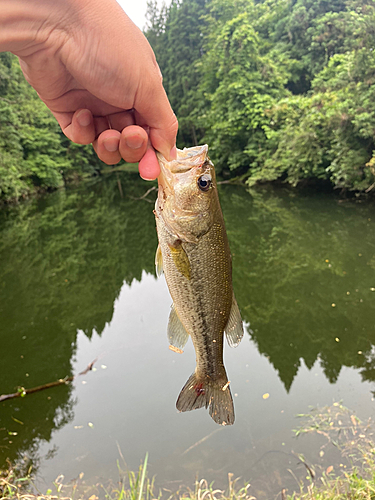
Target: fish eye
204,182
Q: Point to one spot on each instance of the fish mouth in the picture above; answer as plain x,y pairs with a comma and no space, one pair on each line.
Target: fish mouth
187,159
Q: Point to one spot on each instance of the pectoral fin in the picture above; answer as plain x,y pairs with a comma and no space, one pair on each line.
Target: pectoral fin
234,328
159,262
177,335
180,259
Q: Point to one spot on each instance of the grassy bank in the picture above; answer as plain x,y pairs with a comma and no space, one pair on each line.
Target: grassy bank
356,443
353,486
338,426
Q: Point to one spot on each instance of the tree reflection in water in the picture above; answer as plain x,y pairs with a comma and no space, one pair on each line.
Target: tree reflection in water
303,267
304,276
64,259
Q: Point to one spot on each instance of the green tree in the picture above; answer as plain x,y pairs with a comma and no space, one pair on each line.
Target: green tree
328,133
34,153
240,84
176,35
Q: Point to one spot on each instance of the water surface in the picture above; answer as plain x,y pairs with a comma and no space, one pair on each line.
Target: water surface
77,283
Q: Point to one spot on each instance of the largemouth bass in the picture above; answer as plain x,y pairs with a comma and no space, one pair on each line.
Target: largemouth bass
194,254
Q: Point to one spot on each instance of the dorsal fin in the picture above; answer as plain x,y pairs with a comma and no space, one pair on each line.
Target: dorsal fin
234,328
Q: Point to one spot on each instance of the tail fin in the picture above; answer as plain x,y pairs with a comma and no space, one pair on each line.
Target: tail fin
215,395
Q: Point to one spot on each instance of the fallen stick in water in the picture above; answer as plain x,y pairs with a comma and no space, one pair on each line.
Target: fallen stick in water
22,392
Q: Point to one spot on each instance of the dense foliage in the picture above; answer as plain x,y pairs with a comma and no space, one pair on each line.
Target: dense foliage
34,153
279,89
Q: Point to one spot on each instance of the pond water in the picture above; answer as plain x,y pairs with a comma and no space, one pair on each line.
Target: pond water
77,283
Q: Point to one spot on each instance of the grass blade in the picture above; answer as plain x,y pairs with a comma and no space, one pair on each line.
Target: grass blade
144,468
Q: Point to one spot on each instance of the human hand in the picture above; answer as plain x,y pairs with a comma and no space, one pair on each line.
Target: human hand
98,75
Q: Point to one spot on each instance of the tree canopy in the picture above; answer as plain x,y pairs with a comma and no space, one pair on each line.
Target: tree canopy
279,89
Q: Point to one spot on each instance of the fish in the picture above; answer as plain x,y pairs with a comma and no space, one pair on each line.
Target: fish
194,254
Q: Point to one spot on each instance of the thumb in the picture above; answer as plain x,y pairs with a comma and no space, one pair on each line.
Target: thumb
156,113
164,136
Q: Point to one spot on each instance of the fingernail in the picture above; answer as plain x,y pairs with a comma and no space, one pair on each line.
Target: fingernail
173,154
84,118
134,142
147,178
111,144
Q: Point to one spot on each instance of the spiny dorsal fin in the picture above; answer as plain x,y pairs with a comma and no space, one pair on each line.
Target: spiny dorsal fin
177,334
159,262
234,328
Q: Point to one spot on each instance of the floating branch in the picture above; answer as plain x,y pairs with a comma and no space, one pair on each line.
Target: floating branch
22,392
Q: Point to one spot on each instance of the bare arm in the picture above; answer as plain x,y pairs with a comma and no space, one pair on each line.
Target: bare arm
97,73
